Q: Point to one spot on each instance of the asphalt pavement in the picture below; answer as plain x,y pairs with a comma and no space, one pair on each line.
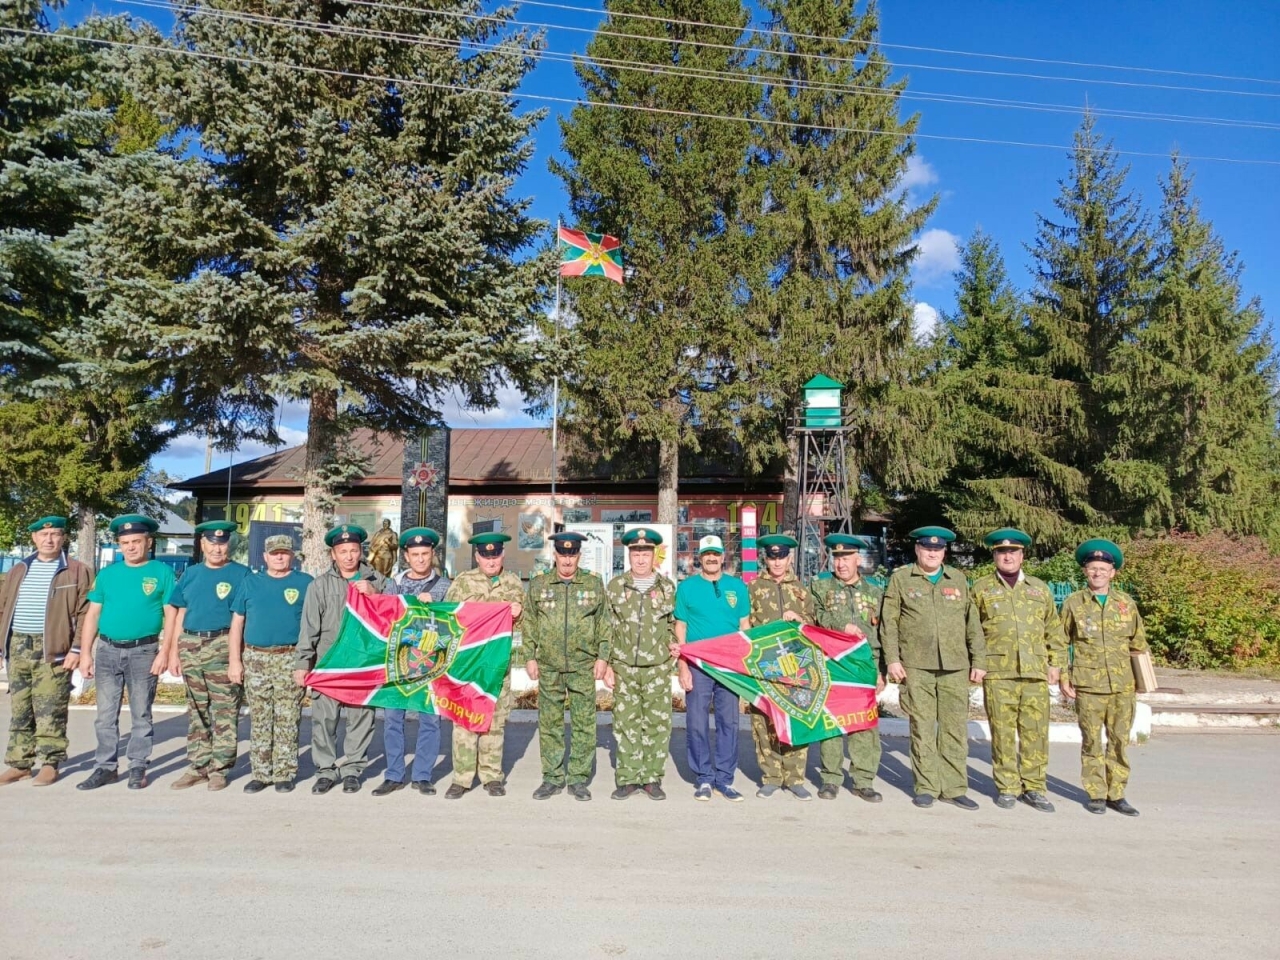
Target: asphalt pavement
160,874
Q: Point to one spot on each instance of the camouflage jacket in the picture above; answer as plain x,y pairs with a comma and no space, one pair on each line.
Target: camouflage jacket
1100,639
933,626
770,599
474,585
1021,627
641,625
837,604
565,624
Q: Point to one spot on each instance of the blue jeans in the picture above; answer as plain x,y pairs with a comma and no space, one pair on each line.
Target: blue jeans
114,669
698,730
424,752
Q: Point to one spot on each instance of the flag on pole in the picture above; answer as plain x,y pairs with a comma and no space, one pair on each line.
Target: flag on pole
810,682
408,654
589,254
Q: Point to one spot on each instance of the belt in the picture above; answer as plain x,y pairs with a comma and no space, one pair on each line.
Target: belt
130,643
208,634
280,649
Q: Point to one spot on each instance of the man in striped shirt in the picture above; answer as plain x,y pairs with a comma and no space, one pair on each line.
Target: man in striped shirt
41,603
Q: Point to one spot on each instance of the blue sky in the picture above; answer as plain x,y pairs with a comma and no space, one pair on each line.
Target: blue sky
1003,187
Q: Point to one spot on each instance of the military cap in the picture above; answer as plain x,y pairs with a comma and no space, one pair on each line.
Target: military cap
1006,537
279,543
419,537
1098,549
710,544
48,523
841,543
346,533
219,531
489,544
641,538
777,545
932,536
133,523
568,543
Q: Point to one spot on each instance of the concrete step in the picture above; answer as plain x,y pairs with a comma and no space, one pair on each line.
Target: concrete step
1216,715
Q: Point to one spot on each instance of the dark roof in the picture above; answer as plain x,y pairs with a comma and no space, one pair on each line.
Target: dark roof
514,455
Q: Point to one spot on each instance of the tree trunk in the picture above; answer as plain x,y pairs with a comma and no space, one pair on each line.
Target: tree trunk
318,496
790,519
86,550
668,481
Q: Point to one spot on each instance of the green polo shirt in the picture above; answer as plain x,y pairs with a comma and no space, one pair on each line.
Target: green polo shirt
711,608
206,594
132,599
271,607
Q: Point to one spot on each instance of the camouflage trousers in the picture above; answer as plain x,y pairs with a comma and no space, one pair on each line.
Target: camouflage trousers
780,763
642,722
937,704
1104,775
1018,711
578,686
213,702
39,693
482,752
864,758
275,714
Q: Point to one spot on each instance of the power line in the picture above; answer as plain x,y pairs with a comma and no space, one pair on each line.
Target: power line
687,114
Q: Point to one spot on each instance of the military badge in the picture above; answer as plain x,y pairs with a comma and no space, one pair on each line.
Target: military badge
950,593
731,598
795,672
223,590
149,585
420,648
290,596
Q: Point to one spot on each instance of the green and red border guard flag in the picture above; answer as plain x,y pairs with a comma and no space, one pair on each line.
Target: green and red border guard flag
810,682
589,254
408,654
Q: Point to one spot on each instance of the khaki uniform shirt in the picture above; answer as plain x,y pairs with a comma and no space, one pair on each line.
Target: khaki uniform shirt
770,599
1101,639
1021,627
932,626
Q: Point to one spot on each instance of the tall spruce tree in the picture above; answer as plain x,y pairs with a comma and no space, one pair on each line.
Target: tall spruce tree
339,227
640,165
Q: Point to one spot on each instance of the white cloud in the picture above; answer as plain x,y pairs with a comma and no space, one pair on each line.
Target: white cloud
919,174
508,413
924,322
937,256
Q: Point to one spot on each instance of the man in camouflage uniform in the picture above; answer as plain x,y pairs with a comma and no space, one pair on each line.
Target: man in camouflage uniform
482,752
1103,628
564,630
777,595
642,605
847,602
1024,650
933,643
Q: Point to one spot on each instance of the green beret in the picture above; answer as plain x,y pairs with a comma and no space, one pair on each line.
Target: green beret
1104,550
219,531
1006,537
932,536
841,543
133,523
641,538
48,523
419,537
347,533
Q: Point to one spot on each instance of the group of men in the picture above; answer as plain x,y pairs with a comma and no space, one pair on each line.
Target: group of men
232,633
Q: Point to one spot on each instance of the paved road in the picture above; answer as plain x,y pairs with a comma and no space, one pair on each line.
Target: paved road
158,874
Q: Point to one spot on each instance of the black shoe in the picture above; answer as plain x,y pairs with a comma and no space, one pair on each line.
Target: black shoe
495,788
1122,806
828,791
547,790
424,787
1036,801
579,791
923,801
350,784
324,785
625,791
455,791
255,786
99,778
964,803
867,794
1006,801
284,786
1096,806
138,778
655,791
382,789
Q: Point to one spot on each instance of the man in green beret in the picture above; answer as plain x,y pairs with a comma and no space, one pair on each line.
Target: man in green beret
564,630
42,601
933,643
846,602
419,579
1024,653
642,603
777,595
198,647
481,753
1103,629
321,620
129,612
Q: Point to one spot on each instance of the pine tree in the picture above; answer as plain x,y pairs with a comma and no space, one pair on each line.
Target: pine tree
334,224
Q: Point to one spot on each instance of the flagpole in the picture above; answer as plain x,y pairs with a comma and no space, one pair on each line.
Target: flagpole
555,392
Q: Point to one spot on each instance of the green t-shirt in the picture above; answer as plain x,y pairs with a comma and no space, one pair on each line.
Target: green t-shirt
711,608
206,595
935,576
132,598
271,607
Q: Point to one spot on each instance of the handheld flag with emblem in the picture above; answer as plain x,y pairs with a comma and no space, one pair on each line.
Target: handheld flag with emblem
810,682
589,254
407,654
